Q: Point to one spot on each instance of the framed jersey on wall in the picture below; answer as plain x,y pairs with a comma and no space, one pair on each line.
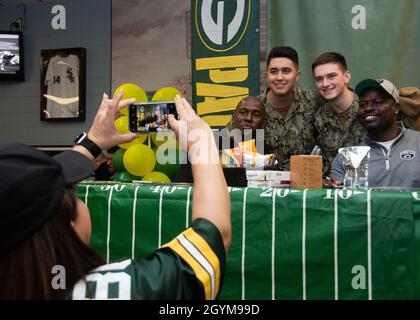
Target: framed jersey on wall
63,84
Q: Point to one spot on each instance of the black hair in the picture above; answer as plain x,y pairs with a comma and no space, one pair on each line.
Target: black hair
26,272
330,57
284,52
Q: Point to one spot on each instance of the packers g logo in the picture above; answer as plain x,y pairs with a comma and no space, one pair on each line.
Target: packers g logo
407,154
221,24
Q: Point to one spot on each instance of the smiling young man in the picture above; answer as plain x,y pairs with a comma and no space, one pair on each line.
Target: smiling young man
289,110
395,151
336,120
248,117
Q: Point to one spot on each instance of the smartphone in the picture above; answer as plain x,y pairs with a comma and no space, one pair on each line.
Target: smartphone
145,117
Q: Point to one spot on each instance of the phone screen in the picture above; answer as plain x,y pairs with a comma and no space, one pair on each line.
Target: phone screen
150,116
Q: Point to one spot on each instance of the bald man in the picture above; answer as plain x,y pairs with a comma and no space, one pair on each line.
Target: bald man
249,114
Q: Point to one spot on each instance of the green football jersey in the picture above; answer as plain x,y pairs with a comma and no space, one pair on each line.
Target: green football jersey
191,266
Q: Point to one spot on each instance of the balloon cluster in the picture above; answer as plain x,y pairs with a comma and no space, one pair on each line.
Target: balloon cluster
137,160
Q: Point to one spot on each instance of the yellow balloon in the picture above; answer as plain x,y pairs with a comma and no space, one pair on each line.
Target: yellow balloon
122,126
131,90
156,177
166,94
169,139
139,160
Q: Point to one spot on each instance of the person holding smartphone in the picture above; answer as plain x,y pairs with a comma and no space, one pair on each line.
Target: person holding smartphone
43,225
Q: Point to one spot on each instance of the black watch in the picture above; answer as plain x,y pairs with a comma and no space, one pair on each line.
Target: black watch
83,140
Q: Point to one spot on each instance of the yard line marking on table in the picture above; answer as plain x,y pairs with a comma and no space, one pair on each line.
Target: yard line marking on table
369,213
86,194
304,244
243,244
273,248
336,244
133,240
160,217
108,235
187,211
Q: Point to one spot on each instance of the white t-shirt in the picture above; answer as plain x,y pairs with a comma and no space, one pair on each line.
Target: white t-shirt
387,144
62,81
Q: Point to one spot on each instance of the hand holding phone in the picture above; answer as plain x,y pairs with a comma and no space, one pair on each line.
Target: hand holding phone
146,117
194,134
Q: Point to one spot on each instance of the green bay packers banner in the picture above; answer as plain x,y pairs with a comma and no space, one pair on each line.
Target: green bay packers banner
286,244
225,47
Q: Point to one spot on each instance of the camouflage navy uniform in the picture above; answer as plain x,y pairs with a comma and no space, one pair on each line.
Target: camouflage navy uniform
295,134
332,135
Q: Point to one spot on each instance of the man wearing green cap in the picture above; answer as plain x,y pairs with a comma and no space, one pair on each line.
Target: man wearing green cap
394,150
336,120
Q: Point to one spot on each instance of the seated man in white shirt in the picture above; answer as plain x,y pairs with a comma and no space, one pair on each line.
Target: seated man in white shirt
395,151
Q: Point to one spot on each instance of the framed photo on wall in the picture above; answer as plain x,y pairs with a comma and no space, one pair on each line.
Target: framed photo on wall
63,84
